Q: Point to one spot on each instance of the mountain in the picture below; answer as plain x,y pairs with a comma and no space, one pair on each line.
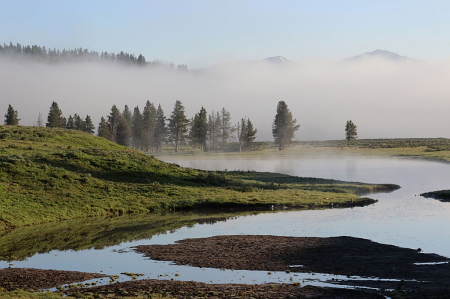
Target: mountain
379,54
279,60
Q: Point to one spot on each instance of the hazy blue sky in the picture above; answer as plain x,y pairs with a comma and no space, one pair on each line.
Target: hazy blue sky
202,33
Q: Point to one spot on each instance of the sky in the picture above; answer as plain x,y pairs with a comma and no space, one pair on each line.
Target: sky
205,33
385,99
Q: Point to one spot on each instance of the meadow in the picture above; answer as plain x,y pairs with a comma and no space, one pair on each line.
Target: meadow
50,174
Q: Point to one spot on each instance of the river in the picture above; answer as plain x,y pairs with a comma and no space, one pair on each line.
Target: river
401,218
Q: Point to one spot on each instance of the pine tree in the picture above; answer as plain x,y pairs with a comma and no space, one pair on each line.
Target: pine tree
103,129
137,128
11,117
79,123
199,131
178,125
55,117
113,121
350,131
226,126
241,131
160,129
70,123
149,123
250,133
283,127
88,125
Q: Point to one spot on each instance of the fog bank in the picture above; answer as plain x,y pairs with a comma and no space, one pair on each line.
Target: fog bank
384,99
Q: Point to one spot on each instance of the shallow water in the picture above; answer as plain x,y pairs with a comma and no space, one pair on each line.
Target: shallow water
401,218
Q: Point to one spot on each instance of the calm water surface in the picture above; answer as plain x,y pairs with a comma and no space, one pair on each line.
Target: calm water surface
401,218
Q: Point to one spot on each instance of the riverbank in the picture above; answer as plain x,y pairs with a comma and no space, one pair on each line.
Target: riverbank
442,195
50,175
385,267
437,149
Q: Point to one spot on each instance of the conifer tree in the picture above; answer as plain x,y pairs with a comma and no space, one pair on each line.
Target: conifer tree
88,125
55,117
226,126
200,129
178,125
250,133
283,127
350,131
113,121
70,123
103,129
11,117
137,129
149,123
79,123
241,132
160,129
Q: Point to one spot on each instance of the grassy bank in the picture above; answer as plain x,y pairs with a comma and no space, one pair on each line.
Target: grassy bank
442,195
426,148
53,174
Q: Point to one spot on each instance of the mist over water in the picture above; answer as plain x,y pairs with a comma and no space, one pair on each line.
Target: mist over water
385,99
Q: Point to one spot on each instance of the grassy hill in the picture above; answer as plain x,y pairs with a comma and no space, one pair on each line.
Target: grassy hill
54,174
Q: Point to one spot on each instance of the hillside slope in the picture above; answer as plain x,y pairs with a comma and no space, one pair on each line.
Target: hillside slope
54,174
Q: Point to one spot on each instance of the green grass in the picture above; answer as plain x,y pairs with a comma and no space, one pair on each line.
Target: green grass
54,174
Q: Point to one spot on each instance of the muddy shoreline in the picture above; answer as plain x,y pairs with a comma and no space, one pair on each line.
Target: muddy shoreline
385,267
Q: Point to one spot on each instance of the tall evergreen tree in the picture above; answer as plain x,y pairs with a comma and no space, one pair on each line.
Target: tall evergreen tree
137,128
178,125
79,123
283,127
241,132
11,117
70,123
103,129
113,121
55,117
160,129
226,126
350,131
123,132
200,129
149,123
250,133
88,125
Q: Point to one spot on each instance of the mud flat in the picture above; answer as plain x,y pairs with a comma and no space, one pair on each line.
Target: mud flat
190,289
35,279
387,268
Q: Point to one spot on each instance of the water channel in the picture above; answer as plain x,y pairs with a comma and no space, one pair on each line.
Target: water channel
401,218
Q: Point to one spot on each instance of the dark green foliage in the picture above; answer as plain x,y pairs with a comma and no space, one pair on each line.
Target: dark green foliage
79,123
11,117
350,131
123,132
283,127
55,117
88,125
250,133
70,125
113,121
148,126
246,134
178,125
199,129
54,56
137,129
160,129
103,129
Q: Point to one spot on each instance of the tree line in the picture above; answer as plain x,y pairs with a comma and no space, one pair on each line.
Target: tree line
53,56
149,129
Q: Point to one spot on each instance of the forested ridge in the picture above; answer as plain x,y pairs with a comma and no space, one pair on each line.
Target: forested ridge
55,56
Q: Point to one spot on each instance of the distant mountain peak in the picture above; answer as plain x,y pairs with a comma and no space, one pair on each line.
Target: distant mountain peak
379,54
279,60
